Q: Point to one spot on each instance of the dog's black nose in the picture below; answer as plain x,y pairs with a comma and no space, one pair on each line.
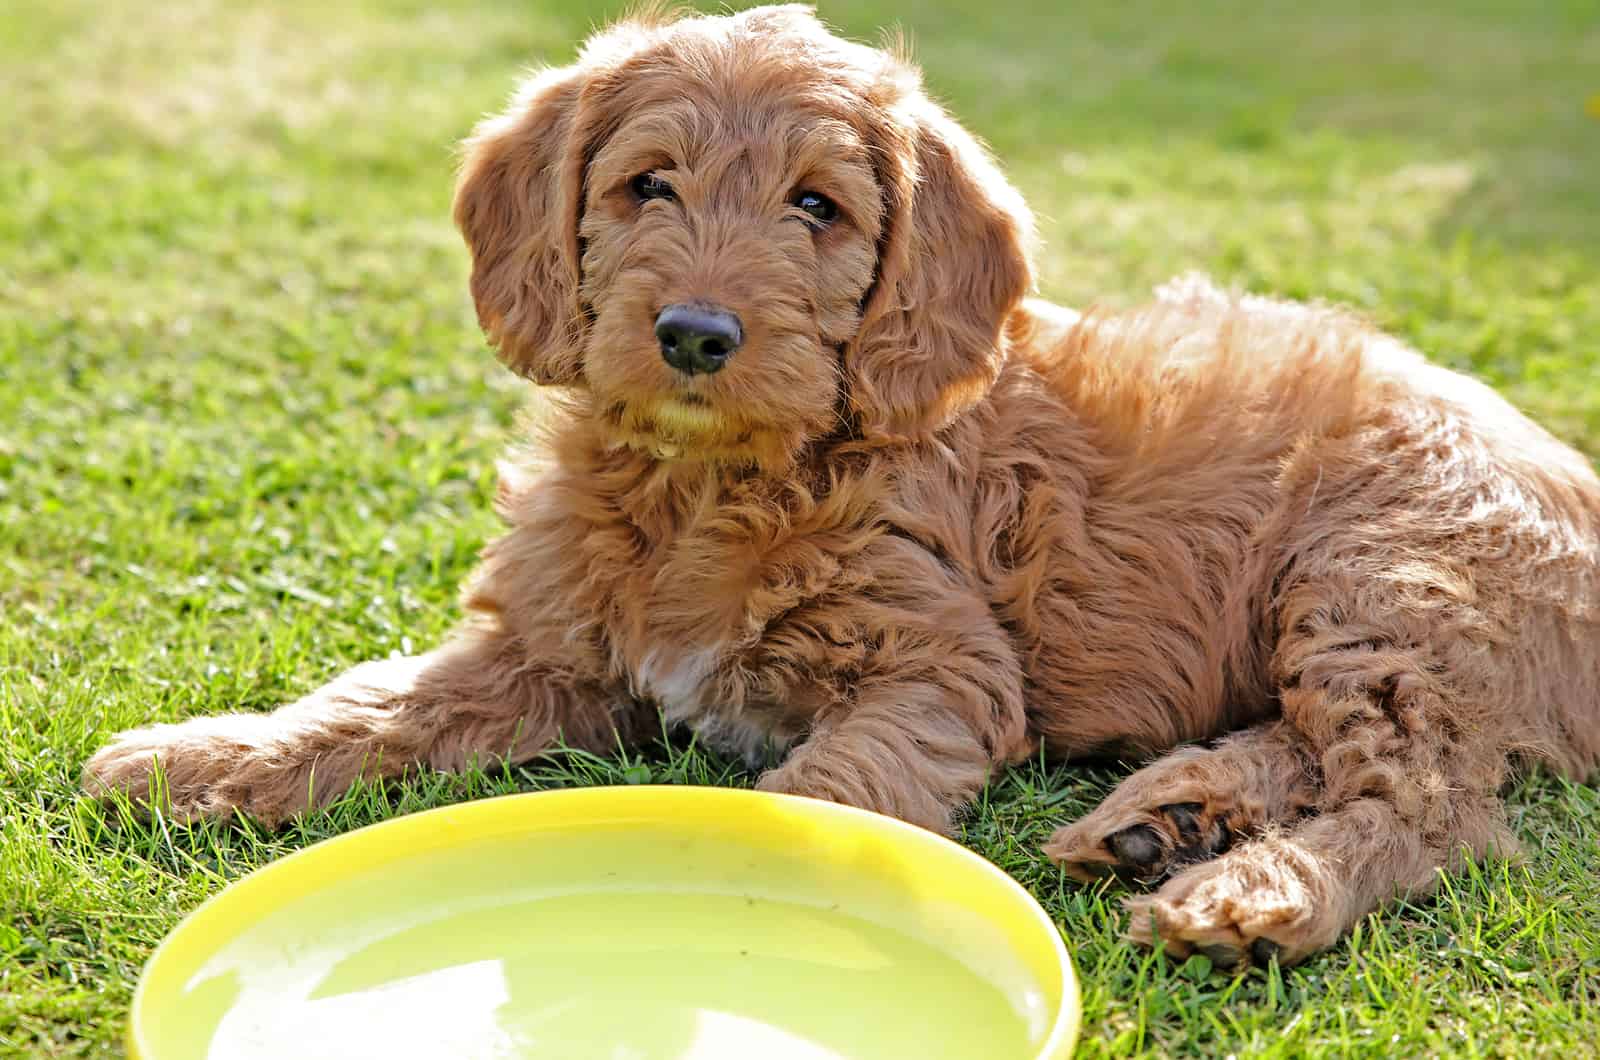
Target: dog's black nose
697,339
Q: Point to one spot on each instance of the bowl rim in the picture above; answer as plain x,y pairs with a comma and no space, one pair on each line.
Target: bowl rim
1057,1043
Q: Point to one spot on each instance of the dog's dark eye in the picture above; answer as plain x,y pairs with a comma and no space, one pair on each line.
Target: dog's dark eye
652,186
819,208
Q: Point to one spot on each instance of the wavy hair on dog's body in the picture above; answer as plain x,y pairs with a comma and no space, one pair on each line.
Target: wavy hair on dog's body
919,526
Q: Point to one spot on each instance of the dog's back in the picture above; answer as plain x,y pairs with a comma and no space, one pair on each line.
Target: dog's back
1211,456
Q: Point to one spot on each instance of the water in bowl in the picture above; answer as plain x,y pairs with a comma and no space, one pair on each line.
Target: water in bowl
552,947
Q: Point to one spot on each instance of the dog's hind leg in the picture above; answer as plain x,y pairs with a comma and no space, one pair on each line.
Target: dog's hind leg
1401,707
1192,804
484,697
1290,894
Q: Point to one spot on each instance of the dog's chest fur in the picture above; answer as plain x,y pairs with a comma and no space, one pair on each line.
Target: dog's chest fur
702,598
684,687
692,634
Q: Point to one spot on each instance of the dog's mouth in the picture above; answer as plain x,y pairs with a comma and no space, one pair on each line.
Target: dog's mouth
687,416
686,426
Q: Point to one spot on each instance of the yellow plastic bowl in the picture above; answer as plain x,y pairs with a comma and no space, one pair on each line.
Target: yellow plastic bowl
611,923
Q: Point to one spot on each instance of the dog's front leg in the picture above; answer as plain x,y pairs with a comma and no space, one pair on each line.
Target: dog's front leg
485,697
938,707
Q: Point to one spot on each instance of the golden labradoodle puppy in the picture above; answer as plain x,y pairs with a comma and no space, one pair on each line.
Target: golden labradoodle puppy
825,484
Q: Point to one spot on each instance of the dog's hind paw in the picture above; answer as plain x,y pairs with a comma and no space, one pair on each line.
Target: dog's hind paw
1143,846
1261,903
1190,806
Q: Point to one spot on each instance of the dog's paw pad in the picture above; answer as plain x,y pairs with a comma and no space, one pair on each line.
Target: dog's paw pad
1177,835
1264,951
1185,817
1140,849
1202,834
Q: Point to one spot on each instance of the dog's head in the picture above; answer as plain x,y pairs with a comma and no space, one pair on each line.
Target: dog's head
739,233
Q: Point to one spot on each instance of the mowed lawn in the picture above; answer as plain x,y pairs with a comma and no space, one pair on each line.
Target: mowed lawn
247,424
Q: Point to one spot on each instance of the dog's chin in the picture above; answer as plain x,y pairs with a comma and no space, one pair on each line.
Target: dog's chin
689,430
678,430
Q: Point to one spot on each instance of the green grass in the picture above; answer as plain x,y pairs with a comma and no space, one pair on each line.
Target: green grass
247,426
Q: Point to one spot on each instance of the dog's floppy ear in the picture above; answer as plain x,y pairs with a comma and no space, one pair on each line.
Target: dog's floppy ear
518,200
517,203
952,265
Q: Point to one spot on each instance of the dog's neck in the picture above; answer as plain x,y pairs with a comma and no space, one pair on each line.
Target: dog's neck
635,471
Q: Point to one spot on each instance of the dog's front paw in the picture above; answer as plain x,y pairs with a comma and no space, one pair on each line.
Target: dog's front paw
1261,902
819,778
200,768
795,778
